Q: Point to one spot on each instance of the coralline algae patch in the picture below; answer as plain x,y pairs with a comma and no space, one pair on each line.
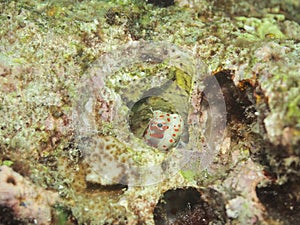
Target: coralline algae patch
125,84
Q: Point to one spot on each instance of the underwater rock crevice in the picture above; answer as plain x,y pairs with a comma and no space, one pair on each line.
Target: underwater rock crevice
7,217
118,188
118,97
189,205
239,105
247,108
286,207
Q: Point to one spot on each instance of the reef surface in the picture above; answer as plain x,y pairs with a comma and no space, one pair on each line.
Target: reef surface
79,82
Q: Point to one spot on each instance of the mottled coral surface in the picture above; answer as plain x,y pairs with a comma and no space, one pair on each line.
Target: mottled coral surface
48,49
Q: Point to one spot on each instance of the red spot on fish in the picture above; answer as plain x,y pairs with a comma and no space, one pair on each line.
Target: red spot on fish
152,127
165,127
157,135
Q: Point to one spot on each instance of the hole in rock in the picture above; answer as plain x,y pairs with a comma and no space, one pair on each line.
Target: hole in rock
141,113
161,3
238,99
281,202
118,188
11,180
190,206
7,217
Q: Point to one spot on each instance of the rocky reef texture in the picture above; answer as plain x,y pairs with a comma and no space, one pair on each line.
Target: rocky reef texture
107,139
78,83
28,202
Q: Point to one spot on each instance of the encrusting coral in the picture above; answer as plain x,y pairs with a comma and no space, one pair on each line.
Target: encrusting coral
27,202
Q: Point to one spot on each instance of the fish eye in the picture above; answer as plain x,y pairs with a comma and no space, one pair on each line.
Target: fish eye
159,125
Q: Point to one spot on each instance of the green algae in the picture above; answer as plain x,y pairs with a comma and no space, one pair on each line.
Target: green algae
8,163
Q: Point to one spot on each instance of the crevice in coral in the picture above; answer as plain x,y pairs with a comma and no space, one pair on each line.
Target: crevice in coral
11,180
281,202
108,188
190,206
240,108
7,217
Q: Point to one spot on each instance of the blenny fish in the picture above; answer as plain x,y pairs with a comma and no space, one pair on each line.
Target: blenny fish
164,130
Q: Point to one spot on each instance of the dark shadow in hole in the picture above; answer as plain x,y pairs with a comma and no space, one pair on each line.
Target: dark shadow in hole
239,103
7,217
161,3
106,188
11,180
281,202
186,206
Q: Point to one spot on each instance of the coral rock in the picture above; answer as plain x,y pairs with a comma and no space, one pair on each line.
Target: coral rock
27,201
